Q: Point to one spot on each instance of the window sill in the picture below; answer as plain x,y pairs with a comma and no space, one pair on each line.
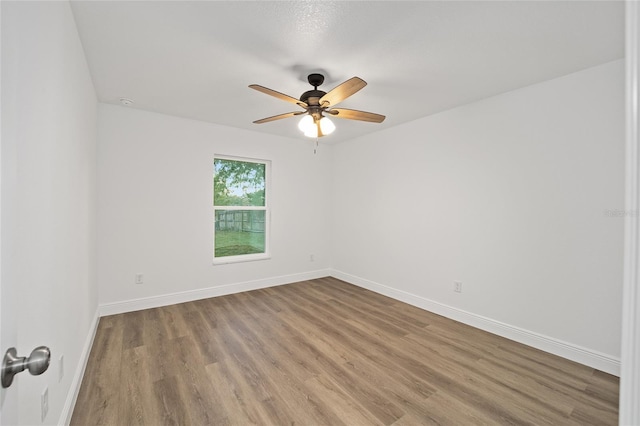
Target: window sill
239,259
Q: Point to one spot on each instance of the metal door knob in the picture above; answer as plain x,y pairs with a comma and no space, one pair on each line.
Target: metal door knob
37,363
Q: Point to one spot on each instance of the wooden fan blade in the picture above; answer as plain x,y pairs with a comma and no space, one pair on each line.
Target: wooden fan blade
279,117
343,91
353,114
278,95
320,134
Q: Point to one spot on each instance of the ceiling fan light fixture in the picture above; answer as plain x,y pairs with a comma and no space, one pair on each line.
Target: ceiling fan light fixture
310,129
326,126
311,134
306,125
316,103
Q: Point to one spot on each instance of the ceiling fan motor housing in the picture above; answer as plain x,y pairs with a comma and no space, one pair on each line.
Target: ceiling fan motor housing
312,97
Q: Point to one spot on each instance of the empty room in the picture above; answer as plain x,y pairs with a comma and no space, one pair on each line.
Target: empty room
319,212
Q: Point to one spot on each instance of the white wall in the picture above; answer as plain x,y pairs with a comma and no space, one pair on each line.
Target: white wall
155,214
49,122
515,196
508,195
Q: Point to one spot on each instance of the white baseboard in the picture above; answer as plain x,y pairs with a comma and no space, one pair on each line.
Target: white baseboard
74,389
594,359
188,296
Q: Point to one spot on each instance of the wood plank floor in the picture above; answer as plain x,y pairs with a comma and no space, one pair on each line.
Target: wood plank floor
324,352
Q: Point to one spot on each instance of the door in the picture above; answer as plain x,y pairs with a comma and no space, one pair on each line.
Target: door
8,290
8,328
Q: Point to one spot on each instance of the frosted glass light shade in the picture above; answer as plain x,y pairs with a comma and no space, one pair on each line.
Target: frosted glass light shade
306,125
310,129
326,126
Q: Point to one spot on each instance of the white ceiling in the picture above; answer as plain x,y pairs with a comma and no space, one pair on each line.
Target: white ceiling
196,59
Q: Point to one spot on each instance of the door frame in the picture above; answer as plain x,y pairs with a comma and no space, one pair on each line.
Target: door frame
630,352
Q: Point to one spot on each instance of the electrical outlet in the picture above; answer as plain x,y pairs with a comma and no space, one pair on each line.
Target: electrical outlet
44,402
457,286
139,278
60,368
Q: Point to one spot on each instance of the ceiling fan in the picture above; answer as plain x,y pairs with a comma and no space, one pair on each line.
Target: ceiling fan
316,103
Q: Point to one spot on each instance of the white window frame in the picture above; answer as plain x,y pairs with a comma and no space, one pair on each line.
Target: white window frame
267,215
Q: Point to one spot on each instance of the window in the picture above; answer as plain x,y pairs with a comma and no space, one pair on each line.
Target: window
240,209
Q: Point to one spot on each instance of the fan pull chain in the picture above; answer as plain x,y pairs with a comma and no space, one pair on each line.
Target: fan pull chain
315,148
